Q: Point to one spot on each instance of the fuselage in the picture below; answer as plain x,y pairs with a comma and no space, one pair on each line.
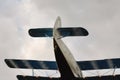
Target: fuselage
65,60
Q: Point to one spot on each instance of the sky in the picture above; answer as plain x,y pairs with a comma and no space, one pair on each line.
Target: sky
100,17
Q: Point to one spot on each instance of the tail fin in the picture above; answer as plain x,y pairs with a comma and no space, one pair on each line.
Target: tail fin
58,31
73,31
57,25
41,32
64,32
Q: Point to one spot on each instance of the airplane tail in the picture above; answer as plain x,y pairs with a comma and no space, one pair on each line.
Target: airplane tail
64,32
58,31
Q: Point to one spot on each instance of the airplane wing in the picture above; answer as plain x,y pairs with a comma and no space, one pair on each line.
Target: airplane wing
22,77
107,77
99,64
31,64
52,65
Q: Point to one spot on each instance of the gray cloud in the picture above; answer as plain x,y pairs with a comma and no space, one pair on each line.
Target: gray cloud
98,16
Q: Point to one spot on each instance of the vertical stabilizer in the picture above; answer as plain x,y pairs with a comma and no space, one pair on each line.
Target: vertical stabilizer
56,26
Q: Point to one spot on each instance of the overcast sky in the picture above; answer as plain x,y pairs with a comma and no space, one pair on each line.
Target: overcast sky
100,17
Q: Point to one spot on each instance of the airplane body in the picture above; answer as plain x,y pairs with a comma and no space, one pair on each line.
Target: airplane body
64,56
69,68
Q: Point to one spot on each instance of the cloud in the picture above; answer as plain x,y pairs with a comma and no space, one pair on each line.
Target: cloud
12,33
98,16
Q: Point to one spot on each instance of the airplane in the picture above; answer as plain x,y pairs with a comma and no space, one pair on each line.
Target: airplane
69,68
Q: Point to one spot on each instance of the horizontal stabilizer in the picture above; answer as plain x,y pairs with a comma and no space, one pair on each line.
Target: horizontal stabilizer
41,32
74,31
52,65
107,77
48,32
31,64
21,77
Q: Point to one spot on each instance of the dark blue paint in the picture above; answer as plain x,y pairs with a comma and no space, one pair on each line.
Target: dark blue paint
84,65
